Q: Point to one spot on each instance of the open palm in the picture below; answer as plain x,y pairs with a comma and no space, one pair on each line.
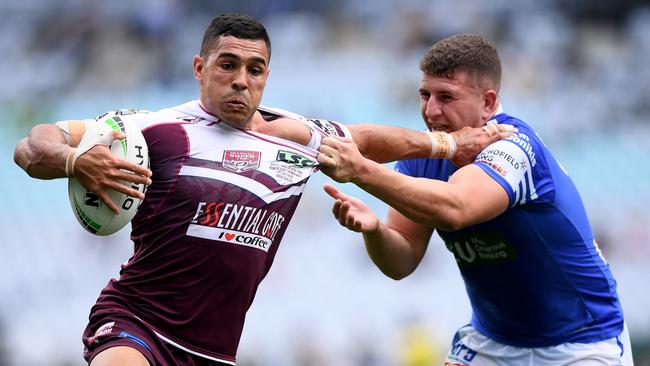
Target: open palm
351,212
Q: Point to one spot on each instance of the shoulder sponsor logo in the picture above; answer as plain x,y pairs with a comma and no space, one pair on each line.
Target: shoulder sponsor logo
524,142
237,224
523,163
241,160
326,126
190,119
496,167
296,159
502,155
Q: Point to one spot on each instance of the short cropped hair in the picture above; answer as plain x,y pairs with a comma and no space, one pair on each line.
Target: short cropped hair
464,52
236,25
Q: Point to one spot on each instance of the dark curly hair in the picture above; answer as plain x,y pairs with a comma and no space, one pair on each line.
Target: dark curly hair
236,25
464,52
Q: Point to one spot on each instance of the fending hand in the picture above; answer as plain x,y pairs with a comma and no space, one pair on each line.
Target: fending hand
340,159
351,212
471,141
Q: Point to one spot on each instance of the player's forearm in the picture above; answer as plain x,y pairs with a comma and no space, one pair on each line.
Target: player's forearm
43,153
430,202
385,143
391,252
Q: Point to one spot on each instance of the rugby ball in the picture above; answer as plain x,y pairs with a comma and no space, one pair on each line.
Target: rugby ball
88,208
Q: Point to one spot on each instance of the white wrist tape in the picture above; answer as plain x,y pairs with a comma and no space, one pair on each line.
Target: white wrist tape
443,145
75,153
491,129
69,168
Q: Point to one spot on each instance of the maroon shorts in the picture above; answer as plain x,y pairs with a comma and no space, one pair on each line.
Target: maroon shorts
115,329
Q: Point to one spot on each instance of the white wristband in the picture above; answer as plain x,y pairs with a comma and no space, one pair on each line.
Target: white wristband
452,146
69,163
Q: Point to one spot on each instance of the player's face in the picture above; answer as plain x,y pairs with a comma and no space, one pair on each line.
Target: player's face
232,77
449,104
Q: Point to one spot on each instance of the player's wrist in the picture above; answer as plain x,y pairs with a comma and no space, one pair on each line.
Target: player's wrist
69,162
363,172
443,145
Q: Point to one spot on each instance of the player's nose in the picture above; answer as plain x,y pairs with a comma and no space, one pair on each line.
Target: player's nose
239,81
432,109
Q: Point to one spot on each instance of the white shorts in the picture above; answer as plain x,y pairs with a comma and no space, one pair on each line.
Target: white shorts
471,348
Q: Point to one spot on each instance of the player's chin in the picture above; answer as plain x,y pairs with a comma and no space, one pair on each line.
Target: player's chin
238,116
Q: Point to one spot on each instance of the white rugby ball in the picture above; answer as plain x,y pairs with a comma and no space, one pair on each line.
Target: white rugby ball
90,211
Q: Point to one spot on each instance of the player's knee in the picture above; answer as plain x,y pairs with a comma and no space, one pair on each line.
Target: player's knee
119,356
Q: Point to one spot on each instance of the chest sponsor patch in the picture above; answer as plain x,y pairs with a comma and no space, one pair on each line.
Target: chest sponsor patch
236,224
293,158
230,236
241,160
481,248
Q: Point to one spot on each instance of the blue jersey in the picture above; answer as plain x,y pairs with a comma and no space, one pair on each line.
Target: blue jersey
534,275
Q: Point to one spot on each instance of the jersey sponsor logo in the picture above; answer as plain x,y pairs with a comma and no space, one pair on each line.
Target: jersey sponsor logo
123,112
190,119
290,167
480,248
496,167
490,155
326,126
238,224
241,160
296,159
101,331
524,142
254,241
460,355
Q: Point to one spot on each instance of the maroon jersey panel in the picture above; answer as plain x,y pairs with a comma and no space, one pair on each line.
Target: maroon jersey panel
208,229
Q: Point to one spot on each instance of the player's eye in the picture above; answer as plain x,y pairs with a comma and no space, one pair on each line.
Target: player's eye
446,97
227,66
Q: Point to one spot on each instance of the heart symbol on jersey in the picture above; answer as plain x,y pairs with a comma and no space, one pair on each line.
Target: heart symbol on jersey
229,236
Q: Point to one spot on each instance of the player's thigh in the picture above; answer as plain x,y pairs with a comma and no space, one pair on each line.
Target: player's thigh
118,356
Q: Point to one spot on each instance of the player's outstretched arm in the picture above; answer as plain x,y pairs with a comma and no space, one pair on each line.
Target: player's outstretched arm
469,197
396,247
383,144
44,154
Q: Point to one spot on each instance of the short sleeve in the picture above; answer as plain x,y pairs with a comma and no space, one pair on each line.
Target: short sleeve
321,128
511,163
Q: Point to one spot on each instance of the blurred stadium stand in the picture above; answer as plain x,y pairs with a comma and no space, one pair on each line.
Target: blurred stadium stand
577,70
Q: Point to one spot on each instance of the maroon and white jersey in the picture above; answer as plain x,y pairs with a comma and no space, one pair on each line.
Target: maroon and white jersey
210,225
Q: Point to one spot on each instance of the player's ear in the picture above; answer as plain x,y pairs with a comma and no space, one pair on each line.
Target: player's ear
490,103
198,66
